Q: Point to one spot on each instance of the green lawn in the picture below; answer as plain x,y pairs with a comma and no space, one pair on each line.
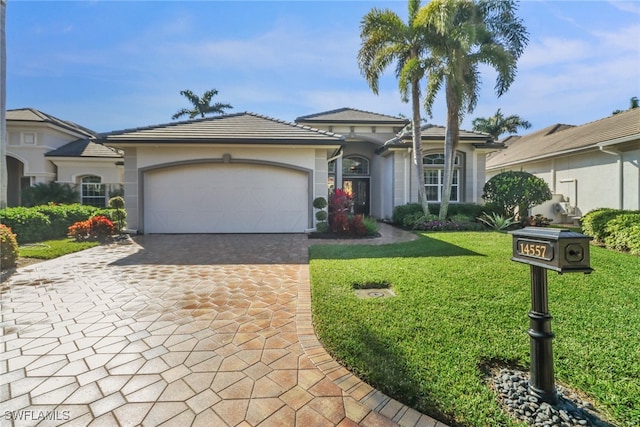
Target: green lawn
461,305
50,249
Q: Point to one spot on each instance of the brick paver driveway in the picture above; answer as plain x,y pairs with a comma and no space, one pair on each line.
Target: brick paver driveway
211,330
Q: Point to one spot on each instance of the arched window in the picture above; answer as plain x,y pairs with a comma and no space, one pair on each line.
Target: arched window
434,177
355,165
93,191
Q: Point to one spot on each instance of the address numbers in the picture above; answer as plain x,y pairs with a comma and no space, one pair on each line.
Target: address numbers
534,249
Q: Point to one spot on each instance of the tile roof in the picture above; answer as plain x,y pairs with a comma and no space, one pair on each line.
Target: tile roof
240,128
84,148
437,133
37,116
562,139
351,115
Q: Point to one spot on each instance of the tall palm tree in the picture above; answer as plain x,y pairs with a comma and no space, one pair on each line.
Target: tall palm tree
386,39
201,106
498,124
469,33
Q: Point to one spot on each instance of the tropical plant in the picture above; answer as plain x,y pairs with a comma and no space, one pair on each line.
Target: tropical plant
201,106
465,34
498,124
3,105
497,221
515,189
50,192
96,228
387,39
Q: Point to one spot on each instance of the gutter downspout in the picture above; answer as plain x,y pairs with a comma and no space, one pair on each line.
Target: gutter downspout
620,175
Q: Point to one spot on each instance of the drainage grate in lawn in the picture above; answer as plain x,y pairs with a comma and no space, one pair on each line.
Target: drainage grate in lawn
373,290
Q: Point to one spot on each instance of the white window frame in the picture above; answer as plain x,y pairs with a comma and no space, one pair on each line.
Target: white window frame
92,189
434,162
346,171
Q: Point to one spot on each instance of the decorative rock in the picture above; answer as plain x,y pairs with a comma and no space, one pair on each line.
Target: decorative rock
512,387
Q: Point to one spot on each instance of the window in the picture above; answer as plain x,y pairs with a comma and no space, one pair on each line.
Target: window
93,191
434,177
355,165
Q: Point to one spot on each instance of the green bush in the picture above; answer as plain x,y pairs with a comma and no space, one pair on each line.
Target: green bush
8,247
510,190
623,233
402,211
119,214
471,210
322,215
46,221
594,223
29,224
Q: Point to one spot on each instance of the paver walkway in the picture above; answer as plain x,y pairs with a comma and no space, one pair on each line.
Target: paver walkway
201,330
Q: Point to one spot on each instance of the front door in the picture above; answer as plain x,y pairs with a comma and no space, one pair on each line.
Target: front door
358,188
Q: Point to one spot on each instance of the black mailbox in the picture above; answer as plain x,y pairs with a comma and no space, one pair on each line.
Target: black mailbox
555,249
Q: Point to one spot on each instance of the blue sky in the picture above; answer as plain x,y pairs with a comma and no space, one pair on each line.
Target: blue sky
113,65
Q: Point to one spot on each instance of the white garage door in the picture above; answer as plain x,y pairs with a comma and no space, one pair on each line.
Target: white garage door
225,198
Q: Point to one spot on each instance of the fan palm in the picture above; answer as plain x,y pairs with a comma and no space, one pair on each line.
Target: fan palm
387,39
498,124
469,33
201,106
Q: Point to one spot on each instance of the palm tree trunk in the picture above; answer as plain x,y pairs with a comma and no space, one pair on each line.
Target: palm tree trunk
417,146
450,144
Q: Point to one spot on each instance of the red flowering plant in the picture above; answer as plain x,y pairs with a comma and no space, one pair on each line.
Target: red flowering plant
339,209
96,228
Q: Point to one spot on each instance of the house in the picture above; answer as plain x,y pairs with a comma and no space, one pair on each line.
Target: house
254,174
42,148
594,165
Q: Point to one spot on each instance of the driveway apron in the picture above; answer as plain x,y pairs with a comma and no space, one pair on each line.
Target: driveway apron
186,330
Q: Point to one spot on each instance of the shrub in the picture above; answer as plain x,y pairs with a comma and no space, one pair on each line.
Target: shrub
50,192
400,212
538,220
119,214
29,225
371,225
8,247
510,190
339,207
322,215
623,233
322,227
471,210
594,223
97,228
319,203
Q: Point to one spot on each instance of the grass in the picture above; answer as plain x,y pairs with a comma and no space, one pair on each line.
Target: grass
51,249
461,306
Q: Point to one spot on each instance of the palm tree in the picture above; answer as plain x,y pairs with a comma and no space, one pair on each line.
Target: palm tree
201,106
498,124
387,39
469,33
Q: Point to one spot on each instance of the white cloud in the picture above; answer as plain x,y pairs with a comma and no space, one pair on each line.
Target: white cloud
626,6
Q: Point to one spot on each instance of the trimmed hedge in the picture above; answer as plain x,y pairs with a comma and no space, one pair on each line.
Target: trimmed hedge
410,214
594,223
46,221
623,233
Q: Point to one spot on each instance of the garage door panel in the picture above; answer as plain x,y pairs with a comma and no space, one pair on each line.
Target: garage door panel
226,198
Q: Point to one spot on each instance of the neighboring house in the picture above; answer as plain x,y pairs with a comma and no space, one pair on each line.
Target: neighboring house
595,165
254,174
42,148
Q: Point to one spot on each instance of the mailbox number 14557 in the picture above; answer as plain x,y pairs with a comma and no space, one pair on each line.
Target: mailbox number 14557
535,249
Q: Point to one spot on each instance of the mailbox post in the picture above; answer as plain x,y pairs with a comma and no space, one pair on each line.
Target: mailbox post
546,249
